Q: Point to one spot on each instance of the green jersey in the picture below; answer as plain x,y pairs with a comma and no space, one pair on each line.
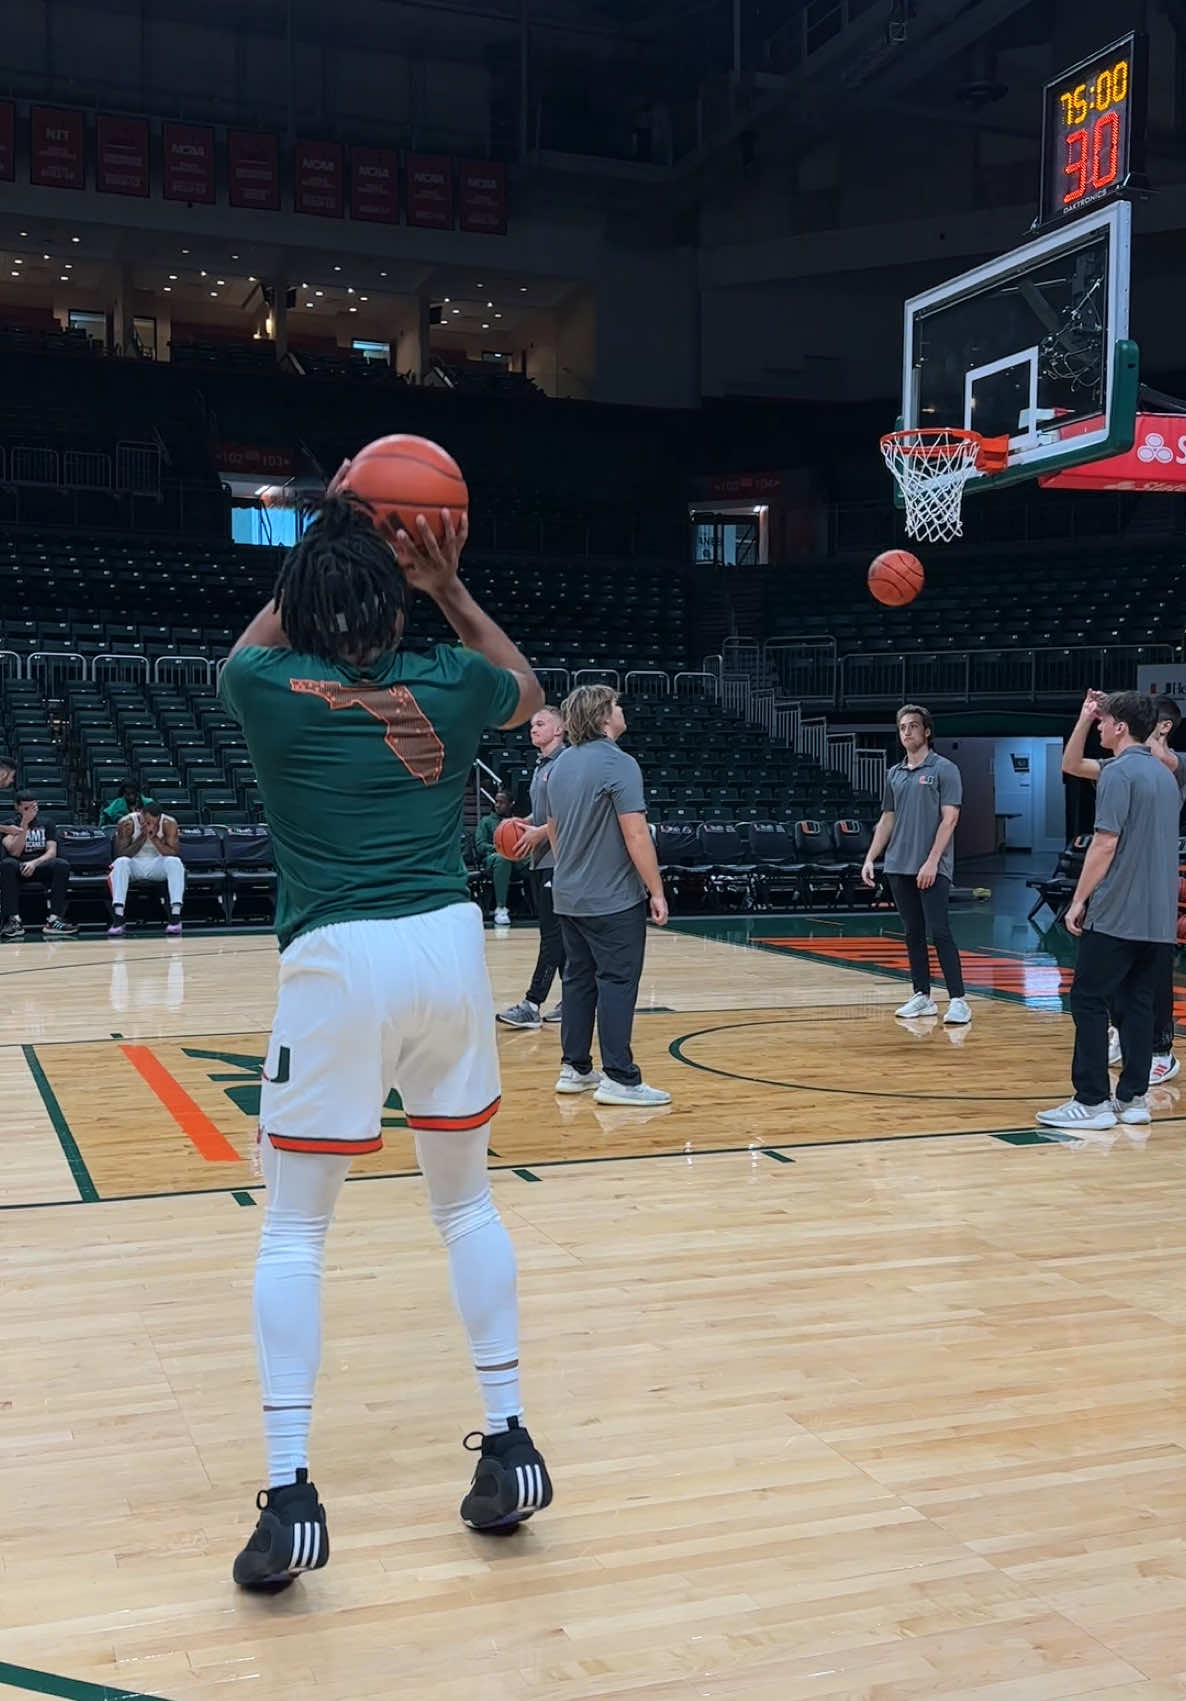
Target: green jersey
363,774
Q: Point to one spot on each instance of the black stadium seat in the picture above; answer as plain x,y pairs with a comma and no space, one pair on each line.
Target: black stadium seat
250,875
205,868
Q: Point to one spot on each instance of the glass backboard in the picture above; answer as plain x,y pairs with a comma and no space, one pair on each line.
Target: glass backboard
1032,346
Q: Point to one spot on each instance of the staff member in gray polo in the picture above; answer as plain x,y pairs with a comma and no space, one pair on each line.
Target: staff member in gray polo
1124,913
919,813
605,883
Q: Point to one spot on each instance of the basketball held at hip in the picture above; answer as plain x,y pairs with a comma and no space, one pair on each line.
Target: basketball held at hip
896,577
508,837
400,477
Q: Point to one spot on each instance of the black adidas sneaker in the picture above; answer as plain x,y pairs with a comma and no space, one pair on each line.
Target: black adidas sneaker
510,1482
291,1536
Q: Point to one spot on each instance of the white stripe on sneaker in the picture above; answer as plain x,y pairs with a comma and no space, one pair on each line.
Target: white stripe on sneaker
306,1546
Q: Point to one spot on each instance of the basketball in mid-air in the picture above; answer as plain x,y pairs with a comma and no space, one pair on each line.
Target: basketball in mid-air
400,477
508,836
896,577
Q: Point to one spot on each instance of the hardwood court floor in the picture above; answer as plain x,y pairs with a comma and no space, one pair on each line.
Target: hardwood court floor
845,1394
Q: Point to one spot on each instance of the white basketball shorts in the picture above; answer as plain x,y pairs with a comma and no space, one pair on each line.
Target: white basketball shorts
365,1006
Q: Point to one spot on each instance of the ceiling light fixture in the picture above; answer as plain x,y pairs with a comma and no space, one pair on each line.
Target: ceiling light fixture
364,298
214,292
76,239
354,310
318,292
201,274
220,282
185,250
234,256
485,327
168,289
172,277
63,278
522,289
337,268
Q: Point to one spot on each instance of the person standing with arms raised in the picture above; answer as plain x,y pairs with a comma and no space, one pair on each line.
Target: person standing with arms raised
919,814
1124,914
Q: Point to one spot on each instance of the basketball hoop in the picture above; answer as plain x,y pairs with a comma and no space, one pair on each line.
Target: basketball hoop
931,465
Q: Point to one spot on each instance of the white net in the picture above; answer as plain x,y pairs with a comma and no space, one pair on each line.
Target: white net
931,467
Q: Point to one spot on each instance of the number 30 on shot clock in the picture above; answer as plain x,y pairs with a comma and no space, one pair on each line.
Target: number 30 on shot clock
1093,131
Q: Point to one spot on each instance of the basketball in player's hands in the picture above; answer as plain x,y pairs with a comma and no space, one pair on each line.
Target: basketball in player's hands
508,836
896,577
401,477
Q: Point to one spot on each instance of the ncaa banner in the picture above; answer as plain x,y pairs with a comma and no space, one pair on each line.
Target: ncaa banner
482,197
374,185
121,156
56,158
187,154
254,170
7,141
430,191
317,179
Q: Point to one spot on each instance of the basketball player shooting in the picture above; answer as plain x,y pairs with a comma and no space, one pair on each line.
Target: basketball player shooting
382,979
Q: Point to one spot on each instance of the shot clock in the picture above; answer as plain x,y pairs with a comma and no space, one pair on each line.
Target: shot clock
1093,131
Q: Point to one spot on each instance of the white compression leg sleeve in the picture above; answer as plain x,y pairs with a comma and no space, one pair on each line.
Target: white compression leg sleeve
175,875
121,874
481,1262
303,1189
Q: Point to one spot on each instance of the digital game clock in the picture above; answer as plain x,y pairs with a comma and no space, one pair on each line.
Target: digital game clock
1093,130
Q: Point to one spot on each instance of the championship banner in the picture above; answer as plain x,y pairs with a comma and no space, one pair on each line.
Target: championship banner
7,141
56,158
121,155
187,152
254,170
317,179
430,191
374,185
482,197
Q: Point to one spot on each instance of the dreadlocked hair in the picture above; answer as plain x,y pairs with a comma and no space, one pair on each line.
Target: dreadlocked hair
339,592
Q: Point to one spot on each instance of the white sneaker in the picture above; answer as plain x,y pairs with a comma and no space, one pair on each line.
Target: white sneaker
1136,1111
572,1081
958,1013
1115,1055
613,1092
502,918
1074,1115
922,1004
1164,1069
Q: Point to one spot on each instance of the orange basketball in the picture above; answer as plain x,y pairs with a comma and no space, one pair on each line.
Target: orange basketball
896,577
508,836
400,477
1182,930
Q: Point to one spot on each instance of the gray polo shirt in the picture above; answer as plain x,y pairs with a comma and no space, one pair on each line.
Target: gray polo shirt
588,787
539,808
917,797
1139,800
